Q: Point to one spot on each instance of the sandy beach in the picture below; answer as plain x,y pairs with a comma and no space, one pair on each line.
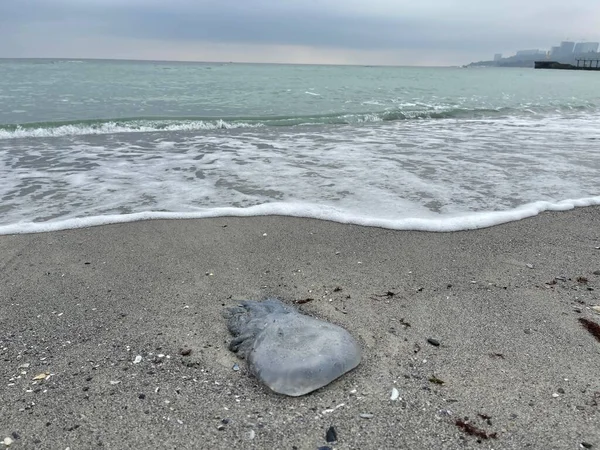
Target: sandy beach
514,367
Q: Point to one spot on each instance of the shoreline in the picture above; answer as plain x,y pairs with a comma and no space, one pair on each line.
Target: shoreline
502,301
449,223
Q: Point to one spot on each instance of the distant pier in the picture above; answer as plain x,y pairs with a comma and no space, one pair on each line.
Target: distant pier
582,64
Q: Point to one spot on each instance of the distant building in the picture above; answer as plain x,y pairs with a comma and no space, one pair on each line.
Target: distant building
566,53
566,48
586,47
535,52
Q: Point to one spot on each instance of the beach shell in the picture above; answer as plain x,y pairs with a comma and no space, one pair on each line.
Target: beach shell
41,376
291,353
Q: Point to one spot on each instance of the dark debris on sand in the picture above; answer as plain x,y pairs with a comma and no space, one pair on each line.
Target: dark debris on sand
474,431
591,326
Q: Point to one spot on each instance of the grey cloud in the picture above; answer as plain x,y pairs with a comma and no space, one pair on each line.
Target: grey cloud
465,25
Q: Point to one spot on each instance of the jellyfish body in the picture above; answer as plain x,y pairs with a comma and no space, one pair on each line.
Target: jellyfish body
291,353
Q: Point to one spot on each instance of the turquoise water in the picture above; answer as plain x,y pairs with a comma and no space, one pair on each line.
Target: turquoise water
47,92
401,147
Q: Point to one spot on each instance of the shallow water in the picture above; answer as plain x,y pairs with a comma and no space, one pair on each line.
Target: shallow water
406,148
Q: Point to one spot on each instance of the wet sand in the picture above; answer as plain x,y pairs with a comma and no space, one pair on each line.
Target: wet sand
515,362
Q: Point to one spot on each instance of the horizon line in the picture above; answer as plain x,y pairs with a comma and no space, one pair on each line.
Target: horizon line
223,62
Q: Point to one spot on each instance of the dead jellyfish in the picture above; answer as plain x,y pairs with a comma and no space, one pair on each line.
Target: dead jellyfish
292,353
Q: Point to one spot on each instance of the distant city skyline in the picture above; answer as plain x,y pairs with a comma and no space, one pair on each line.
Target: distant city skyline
565,48
394,32
567,52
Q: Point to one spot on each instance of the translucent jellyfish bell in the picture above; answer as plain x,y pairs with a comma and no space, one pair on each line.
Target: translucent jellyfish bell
293,354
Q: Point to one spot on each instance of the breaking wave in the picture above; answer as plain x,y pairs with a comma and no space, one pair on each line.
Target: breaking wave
142,125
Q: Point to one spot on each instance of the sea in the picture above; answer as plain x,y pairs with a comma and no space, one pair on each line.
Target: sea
90,142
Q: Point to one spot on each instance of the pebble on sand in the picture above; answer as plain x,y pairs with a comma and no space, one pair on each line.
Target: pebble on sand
331,435
395,394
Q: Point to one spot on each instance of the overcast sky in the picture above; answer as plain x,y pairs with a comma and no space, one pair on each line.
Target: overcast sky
410,32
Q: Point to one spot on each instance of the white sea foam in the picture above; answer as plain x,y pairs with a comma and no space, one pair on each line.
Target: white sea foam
442,224
438,175
164,145
125,127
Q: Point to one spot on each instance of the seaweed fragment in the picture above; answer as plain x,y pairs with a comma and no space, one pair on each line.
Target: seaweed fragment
474,431
582,280
497,355
591,326
303,301
388,294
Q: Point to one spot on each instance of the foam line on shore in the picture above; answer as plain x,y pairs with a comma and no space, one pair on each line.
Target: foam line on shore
448,223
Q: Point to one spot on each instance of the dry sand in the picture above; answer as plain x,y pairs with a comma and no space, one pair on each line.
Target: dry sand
82,304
